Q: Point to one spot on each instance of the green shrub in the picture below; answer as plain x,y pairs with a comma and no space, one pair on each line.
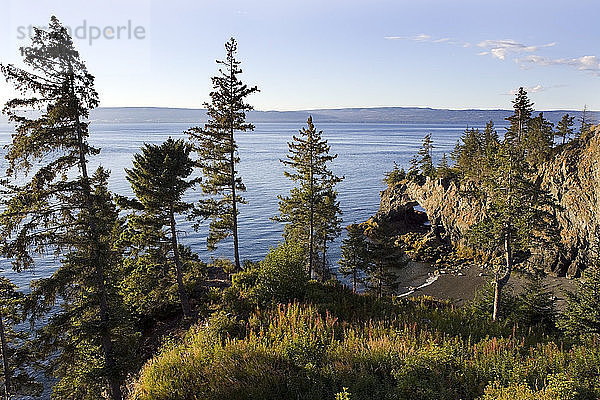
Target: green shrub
282,275
300,352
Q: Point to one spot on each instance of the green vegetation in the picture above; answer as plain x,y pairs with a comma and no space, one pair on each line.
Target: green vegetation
217,150
131,312
311,211
367,348
156,260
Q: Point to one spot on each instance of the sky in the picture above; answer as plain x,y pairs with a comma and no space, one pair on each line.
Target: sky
329,54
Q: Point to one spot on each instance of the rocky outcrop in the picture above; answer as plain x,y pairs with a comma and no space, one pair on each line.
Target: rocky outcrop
572,178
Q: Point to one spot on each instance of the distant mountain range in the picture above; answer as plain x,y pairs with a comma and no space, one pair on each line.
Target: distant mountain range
407,115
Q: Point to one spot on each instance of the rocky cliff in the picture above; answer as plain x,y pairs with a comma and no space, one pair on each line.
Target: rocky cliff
572,177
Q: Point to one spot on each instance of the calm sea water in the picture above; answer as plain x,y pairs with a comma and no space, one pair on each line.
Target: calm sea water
365,152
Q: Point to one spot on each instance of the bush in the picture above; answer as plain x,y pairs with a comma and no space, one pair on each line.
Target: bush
282,275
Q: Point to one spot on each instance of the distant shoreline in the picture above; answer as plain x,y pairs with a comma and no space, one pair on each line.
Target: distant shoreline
375,115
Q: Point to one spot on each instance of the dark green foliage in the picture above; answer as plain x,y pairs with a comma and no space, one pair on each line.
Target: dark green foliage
282,275
537,305
395,176
355,259
585,124
18,357
53,205
384,257
79,330
424,157
533,307
564,128
539,140
518,212
156,262
582,315
519,121
311,211
474,151
217,149
444,171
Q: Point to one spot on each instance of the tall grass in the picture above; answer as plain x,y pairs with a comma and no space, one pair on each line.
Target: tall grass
377,349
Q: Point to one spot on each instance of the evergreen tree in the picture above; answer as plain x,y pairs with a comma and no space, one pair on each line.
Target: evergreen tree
160,177
444,171
355,255
537,305
384,257
218,150
490,139
425,160
517,216
582,315
519,121
539,140
327,225
467,154
396,175
311,210
564,128
18,358
585,124
55,207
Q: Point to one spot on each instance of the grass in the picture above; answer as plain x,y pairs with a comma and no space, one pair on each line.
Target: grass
337,343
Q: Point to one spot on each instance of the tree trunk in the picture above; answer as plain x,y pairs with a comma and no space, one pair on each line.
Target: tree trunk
236,251
324,260
502,281
107,347
311,230
354,281
183,296
5,360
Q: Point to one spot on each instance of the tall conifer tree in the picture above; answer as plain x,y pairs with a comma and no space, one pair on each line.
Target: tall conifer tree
311,210
18,359
564,128
159,178
53,204
218,150
517,216
355,255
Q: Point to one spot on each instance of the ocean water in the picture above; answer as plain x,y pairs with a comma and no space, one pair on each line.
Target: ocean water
365,152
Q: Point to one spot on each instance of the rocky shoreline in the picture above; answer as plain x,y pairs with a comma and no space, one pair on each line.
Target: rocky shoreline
572,178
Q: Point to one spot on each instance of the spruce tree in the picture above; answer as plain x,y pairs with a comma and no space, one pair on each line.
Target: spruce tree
395,176
582,314
18,357
160,177
311,211
564,128
425,159
444,171
218,151
519,121
384,257
354,261
328,225
517,216
539,140
51,206
585,124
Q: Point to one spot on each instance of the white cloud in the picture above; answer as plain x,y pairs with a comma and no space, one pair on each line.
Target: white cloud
423,37
500,49
585,63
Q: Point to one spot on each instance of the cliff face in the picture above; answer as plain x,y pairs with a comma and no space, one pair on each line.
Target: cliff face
572,178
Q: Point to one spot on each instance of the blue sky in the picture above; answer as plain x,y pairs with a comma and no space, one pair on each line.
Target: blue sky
317,54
